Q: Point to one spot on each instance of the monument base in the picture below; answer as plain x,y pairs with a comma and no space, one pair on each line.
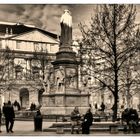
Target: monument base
61,110
63,104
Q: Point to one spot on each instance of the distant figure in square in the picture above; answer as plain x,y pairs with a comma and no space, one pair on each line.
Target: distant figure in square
17,105
102,107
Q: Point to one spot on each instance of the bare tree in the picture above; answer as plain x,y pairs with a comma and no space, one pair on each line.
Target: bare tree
131,78
6,70
41,62
106,45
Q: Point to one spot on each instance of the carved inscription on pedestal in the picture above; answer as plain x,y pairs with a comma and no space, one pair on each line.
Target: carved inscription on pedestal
59,101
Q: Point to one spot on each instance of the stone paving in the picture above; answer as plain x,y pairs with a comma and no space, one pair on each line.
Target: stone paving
26,128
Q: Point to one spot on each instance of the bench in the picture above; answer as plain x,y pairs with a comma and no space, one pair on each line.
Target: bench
113,128
60,126
60,129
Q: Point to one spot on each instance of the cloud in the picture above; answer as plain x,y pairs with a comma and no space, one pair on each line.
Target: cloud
44,16
10,12
47,16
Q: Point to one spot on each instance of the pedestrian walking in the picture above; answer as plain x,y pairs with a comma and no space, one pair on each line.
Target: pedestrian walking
9,114
75,120
87,122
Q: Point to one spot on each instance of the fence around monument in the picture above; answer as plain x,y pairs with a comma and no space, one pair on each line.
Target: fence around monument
29,115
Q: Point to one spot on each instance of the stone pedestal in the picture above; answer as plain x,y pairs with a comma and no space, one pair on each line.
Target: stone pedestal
65,95
64,103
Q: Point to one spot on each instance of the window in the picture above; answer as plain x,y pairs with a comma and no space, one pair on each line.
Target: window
0,44
38,47
44,47
35,72
51,47
1,70
18,72
18,45
18,75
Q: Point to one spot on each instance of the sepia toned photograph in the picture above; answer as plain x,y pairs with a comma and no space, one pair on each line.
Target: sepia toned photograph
69,70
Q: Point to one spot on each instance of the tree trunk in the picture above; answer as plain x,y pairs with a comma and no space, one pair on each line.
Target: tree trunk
115,109
114,47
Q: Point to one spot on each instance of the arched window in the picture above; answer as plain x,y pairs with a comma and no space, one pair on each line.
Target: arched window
24,97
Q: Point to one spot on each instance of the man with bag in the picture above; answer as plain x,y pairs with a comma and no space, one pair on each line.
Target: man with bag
75,120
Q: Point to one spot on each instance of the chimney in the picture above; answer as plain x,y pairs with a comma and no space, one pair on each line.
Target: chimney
11,31
6,30
6,34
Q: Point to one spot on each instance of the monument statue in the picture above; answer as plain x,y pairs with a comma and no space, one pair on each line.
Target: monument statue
66,29
64,92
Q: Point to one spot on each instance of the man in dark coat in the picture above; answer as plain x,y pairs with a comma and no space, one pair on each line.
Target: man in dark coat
130,116
9,114
133,120
87,122
38,121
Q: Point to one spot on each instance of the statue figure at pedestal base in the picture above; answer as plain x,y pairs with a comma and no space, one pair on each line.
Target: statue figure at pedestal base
60,79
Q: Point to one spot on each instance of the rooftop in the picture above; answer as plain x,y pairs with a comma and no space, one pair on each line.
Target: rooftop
18,28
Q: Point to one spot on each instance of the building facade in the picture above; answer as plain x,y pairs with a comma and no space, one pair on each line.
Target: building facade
26,52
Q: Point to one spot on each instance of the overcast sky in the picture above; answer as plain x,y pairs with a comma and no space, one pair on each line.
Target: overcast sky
48,16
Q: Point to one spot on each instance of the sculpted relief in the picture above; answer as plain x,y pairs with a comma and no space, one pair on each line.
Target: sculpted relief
65,80
71,77
48,79
60,79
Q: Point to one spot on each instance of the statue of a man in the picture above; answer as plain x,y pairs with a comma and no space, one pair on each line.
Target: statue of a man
66,29
60,79
46,82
